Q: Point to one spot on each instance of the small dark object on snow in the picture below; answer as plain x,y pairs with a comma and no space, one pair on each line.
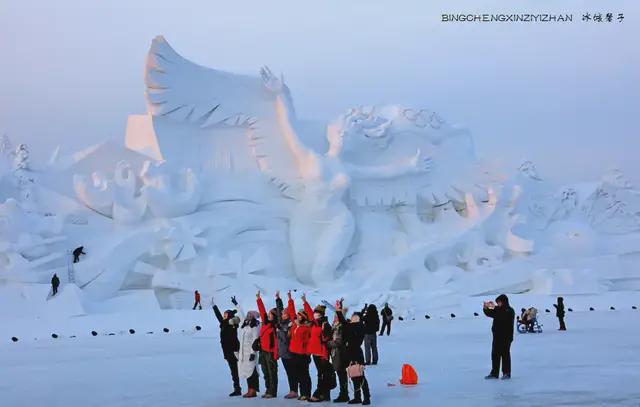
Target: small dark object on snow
453,315
547,310
612,308
94,333
591,309
401,319
54,336
112,334
72,336
475,314
198,327
165,330
13,338
131,331
427,316
570,309
150,333
634,307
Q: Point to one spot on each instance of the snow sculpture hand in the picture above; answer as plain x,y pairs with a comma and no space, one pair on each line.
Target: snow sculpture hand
421,162
271,82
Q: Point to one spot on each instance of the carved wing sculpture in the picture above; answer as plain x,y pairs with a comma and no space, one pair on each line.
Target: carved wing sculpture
224,119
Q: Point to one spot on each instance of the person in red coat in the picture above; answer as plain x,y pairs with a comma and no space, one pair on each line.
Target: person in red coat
268,348
320,334
300,332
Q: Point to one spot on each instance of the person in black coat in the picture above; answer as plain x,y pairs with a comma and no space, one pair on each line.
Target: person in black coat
55,283
560,313
502,328
371,327
354,332
77,252
387,317
229,340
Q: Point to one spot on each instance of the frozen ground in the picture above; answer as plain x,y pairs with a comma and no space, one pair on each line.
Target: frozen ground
596,362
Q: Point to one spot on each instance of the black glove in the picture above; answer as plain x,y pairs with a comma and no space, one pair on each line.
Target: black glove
252,357
233,301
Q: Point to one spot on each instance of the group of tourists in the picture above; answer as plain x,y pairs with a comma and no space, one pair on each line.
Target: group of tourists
296,337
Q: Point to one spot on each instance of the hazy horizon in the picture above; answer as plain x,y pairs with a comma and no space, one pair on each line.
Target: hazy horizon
565,96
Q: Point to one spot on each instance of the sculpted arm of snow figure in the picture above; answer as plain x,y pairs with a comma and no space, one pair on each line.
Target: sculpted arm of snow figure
286,119
419,163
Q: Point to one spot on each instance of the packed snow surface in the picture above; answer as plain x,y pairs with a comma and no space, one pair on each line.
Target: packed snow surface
595,363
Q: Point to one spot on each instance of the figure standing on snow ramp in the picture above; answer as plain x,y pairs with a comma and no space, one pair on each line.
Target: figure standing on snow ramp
55,283
354,332
502,328
317,347
284,342
229,341
560,313
196,302
387,317
372,326
268,348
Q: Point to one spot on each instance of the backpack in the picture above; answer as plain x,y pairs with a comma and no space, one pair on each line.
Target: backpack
409,375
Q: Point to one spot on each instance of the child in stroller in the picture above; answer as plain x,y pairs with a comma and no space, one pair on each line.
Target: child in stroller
528,321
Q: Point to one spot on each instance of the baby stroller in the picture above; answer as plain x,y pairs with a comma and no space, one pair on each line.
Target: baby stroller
528,323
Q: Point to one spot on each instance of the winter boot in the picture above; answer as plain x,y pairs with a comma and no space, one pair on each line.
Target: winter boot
342,398
506,376
357,399
366,402
491,376
236,392
250,394
291,395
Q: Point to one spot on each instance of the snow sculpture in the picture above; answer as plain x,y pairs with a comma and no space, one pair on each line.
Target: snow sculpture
170,193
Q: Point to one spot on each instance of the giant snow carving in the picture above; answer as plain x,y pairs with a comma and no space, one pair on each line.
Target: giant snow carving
227,189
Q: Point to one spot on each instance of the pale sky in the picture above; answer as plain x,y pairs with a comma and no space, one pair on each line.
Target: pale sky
566,96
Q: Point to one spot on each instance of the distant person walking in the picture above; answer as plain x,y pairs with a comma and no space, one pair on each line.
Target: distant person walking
196,300
77,252
55,283
502,328
387,317
371,327
560,313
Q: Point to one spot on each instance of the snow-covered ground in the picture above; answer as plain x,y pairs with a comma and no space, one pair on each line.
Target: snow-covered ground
596,362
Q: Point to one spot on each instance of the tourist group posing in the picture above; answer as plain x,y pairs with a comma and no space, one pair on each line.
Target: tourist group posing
297,337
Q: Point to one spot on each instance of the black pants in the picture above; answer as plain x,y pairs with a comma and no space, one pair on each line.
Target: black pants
233,367
501,351
562,325
361,383
290,368
343,380
253,381
197,304
385,324
76,258
269,372
325,370
54,289
301,367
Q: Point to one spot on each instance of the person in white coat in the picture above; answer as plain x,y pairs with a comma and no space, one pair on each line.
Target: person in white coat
248,357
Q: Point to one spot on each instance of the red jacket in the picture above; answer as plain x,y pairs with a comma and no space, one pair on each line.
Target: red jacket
317,340
197,297
268,340
299,333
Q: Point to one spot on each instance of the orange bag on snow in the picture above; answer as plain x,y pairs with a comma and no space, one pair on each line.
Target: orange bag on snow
409,375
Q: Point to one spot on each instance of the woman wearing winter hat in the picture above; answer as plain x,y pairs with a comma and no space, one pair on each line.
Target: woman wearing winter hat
229,341
268,348
300,332
319,336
